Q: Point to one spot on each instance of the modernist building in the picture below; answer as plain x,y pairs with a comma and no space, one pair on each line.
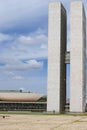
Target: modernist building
21,101
56,58
77,57
56,93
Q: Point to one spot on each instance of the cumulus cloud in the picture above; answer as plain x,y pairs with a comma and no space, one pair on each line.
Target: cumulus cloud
43,46
31,45
34,39
9,73
5,37
26,40
34,64
18,78
12,75
19,65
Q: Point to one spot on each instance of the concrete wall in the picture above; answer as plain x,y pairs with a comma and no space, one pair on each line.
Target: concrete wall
56,91
77,57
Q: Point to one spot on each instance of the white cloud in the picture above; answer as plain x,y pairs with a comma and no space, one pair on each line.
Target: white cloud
26,40
12,75
20,66
5,37
33,38
34,64
32,45
18,78
43,46
9,73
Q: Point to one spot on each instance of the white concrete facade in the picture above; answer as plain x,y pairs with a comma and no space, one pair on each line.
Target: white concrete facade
77,57
56,91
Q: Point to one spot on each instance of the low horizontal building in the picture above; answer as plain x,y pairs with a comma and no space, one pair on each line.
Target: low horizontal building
17,100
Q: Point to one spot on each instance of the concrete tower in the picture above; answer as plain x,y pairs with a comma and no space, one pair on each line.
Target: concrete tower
77,58
56,93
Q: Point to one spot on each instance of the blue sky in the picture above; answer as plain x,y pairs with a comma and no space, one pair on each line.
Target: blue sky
23,44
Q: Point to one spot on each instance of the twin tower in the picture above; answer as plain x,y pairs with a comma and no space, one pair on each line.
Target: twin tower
57,36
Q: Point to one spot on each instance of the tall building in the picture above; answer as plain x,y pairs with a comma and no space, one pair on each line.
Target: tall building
56,91
77,57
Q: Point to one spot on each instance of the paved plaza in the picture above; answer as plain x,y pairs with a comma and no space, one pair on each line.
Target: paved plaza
42,122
